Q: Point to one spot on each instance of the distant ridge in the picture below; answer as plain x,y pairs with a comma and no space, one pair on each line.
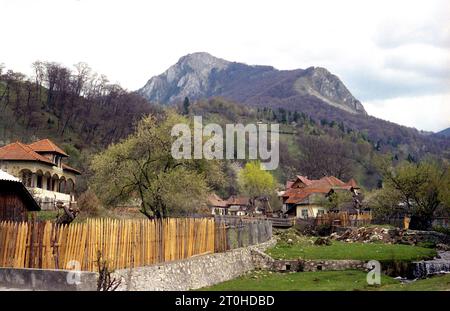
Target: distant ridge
445,132
201,75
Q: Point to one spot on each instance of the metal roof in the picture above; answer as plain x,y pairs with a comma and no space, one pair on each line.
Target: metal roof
8,177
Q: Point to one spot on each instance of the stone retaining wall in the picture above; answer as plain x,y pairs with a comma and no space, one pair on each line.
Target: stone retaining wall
417,236
333,265
192,273
261,260
48,279
316,265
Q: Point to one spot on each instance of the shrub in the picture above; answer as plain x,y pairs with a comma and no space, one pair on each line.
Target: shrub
323,230
305,228
442,230
88,203
426,244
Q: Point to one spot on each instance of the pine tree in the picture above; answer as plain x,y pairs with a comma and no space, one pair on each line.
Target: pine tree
186,105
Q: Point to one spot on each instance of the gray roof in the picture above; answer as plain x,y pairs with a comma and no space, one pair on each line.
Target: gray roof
11,183
8,177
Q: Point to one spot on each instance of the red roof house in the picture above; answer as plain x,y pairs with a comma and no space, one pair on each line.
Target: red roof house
306,194
40,168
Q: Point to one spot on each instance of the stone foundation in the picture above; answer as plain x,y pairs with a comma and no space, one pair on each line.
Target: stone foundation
417,236
48,279
195,272
317,265
333,265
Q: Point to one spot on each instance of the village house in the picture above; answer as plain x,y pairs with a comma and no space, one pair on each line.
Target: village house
41,169
217,205
303,197
15,200
234,205
238,205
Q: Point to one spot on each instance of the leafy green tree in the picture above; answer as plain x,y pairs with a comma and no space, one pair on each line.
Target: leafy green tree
421,188
444,193
256,183
338,199
142,168
383,202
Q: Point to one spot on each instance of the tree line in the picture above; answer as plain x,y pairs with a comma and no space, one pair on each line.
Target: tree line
67,101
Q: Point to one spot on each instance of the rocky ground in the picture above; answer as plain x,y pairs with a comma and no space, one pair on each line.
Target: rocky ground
393,236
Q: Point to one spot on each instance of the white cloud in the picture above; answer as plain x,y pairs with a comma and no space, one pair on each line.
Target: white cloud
424,112
381,49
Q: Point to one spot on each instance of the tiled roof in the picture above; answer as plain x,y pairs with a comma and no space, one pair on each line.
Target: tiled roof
69,168
291,191
235,200
289,184
21,152
305,180
297,198
352,183
215,200
46,145
323,186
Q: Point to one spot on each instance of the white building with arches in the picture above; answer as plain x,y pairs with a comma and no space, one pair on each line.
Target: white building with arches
41,169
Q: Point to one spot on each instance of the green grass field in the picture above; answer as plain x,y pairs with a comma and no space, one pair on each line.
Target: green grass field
357,251
436,283
46,215
348,280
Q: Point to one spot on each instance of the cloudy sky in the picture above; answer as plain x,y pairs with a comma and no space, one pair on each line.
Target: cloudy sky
393,55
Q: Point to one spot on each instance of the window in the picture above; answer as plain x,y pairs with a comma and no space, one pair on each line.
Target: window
62,186
39,181
320,212
26,178
305,213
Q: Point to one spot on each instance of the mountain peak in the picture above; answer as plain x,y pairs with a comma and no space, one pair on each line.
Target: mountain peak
202,75
200,56
321,83
201,61
188,77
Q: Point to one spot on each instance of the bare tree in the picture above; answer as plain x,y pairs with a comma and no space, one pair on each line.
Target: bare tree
324,156
105,282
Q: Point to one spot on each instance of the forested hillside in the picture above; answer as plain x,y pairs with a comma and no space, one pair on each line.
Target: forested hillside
314,91
77,108
317,148
84,113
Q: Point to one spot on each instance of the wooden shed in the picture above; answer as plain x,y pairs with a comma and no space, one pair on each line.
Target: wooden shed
15,200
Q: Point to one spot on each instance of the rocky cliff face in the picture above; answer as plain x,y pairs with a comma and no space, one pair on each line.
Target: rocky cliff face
201,75
188,77
321,83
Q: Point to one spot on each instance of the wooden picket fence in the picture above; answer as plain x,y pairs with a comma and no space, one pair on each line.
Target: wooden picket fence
344,219
122,243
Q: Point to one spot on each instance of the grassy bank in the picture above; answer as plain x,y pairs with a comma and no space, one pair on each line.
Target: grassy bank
349,280
436,283
358,251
